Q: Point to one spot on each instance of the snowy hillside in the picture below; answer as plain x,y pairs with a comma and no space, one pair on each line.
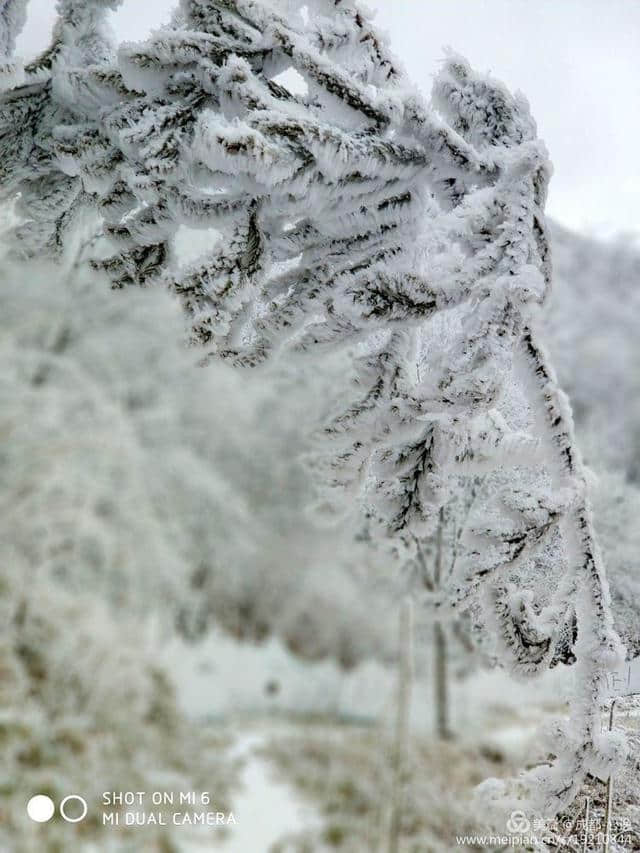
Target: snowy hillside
592,327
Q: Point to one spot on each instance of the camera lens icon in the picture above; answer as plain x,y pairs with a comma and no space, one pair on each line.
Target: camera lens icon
41,808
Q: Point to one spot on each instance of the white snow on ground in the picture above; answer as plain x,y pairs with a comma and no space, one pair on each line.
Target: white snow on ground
221,677
265,809
223,680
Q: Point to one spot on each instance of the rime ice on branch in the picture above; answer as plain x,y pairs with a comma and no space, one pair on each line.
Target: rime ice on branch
344,212
33,116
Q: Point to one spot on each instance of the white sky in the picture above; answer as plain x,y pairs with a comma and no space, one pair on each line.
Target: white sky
577,61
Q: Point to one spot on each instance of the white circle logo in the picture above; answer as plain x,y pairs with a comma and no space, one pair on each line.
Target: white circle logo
40,808
83,803
518,822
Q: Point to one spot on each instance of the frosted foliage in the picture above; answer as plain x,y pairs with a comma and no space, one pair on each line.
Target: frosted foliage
51,204
356,217
616,510
122,478
81,710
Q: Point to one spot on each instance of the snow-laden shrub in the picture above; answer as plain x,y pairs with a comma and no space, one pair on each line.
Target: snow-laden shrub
85,707
129,472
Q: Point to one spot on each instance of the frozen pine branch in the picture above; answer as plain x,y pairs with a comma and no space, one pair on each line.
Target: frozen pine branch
52,203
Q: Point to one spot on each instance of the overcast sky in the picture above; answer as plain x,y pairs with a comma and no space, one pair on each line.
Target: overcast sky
577,61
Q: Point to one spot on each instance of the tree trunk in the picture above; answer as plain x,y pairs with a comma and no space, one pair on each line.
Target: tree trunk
440,661
401,737
441,682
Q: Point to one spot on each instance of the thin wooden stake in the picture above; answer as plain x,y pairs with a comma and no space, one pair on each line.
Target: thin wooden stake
607,819
440,661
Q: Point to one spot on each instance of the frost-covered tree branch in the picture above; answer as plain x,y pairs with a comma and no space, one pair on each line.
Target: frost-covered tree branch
345,213
52,205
